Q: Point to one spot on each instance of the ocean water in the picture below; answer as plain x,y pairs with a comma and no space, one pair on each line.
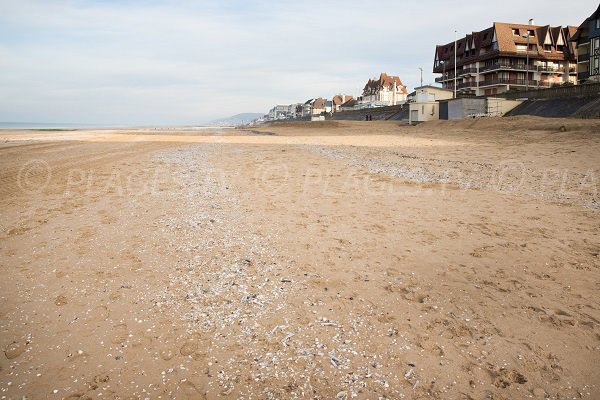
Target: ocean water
56,125
48,125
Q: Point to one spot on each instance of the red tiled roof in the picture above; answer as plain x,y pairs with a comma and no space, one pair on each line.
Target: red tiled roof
319,103
340,99
350,103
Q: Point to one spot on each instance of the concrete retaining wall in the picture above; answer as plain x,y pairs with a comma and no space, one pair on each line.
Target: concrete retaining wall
590,89
394,113
579,107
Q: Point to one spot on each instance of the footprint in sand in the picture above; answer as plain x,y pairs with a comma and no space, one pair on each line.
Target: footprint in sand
120,335
167,354
14,350
77,396
504,377
140,339
195,348
60,300
191,391
97,314
481,252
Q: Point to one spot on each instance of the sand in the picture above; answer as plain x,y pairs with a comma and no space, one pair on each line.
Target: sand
452,260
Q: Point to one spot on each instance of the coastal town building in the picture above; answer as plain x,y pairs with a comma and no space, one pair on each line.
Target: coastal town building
338,100
294,111
278,112
307,108
424,103
507,57
318,106
388,90
587,40
430,92
349,105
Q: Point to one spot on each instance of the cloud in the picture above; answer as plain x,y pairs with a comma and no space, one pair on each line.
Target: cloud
191,61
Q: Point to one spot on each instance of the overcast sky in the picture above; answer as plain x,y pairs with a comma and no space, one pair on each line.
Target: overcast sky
187,62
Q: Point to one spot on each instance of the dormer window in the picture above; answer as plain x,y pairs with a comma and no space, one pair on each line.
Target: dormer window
515,32
531,33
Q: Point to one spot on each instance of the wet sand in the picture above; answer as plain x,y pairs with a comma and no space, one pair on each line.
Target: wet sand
336,260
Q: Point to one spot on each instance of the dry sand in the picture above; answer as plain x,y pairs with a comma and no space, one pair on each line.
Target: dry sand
453,260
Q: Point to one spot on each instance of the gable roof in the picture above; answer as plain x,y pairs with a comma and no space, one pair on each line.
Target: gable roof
580,29
384,81
339,99
350,103
318,103
504,37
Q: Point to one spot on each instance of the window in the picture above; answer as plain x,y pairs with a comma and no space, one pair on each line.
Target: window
531,32
515,32
597,23
560,48
547,48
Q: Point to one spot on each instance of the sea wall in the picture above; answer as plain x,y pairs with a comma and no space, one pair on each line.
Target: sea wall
393,113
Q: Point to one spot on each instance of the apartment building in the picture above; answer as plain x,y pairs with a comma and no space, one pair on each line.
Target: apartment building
507,57
587,40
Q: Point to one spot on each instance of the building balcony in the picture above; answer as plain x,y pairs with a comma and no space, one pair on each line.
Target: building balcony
514,82
448,77
464,85
523,67
495,67
467,71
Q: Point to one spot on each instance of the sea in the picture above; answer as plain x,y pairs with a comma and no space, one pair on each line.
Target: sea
50,125
67,126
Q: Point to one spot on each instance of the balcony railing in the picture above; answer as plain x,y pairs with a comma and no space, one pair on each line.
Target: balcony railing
467,71
523,67
516,82
449,76
466,85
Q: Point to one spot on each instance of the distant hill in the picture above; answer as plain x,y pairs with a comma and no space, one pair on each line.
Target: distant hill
237,119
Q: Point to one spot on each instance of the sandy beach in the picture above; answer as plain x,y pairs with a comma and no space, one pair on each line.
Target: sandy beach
335,260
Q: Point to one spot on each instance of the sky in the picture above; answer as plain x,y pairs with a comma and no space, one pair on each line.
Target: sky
188,62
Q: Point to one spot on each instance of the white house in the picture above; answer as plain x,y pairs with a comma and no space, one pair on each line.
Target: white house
388,90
